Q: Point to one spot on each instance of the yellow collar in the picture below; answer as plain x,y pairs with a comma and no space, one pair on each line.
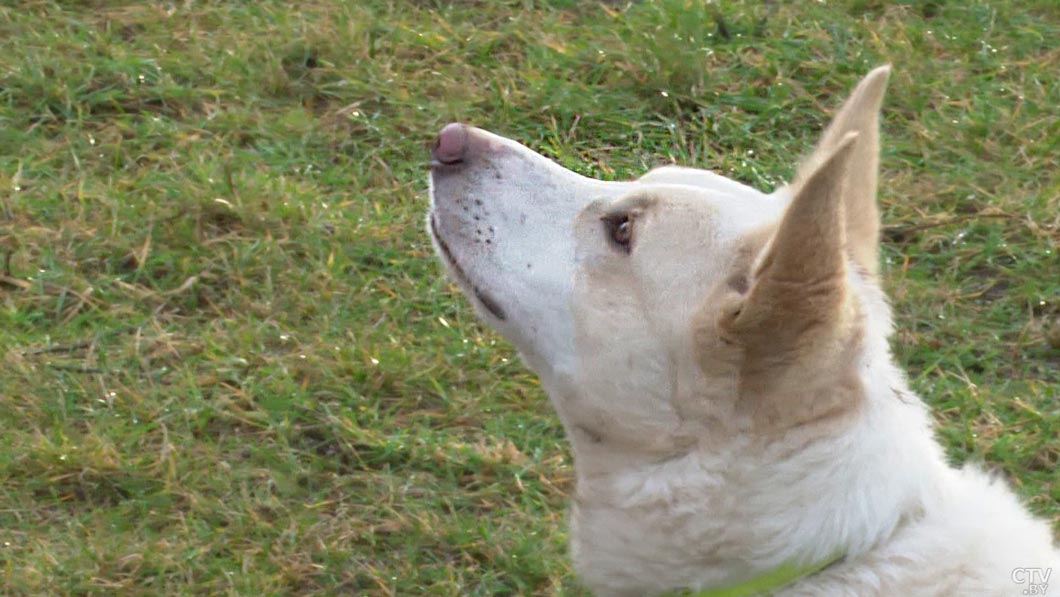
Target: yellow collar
764,584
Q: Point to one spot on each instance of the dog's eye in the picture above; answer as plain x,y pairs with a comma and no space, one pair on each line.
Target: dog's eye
620,229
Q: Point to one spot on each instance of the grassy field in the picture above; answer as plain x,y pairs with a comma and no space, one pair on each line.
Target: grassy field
229,363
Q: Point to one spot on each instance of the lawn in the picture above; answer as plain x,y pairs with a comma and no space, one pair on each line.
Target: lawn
230,364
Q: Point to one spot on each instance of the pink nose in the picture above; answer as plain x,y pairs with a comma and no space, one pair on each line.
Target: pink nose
451,144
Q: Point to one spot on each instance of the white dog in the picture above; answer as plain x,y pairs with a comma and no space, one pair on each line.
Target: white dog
719,359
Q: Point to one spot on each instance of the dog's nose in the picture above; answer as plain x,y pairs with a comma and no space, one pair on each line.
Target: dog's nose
451,145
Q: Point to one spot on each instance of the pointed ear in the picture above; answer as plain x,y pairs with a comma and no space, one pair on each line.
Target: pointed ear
859,114
798,288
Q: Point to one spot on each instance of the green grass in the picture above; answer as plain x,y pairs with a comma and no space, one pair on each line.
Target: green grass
229,363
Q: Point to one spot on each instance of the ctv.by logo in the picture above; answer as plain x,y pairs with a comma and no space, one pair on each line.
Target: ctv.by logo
1036,579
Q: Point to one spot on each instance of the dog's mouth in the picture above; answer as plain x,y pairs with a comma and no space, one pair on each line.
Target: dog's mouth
481,295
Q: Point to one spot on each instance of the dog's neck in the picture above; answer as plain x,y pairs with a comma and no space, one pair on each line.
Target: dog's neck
720,517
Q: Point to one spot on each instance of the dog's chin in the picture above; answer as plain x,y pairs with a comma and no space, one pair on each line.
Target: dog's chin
481,296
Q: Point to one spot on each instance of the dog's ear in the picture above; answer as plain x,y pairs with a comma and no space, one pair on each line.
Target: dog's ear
859,114
792,327
798,285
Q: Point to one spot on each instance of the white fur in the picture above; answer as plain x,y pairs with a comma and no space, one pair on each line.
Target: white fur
676,487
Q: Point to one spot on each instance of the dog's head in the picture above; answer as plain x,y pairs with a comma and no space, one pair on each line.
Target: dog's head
680,307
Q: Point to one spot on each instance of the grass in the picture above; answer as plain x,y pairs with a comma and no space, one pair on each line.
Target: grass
229,363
